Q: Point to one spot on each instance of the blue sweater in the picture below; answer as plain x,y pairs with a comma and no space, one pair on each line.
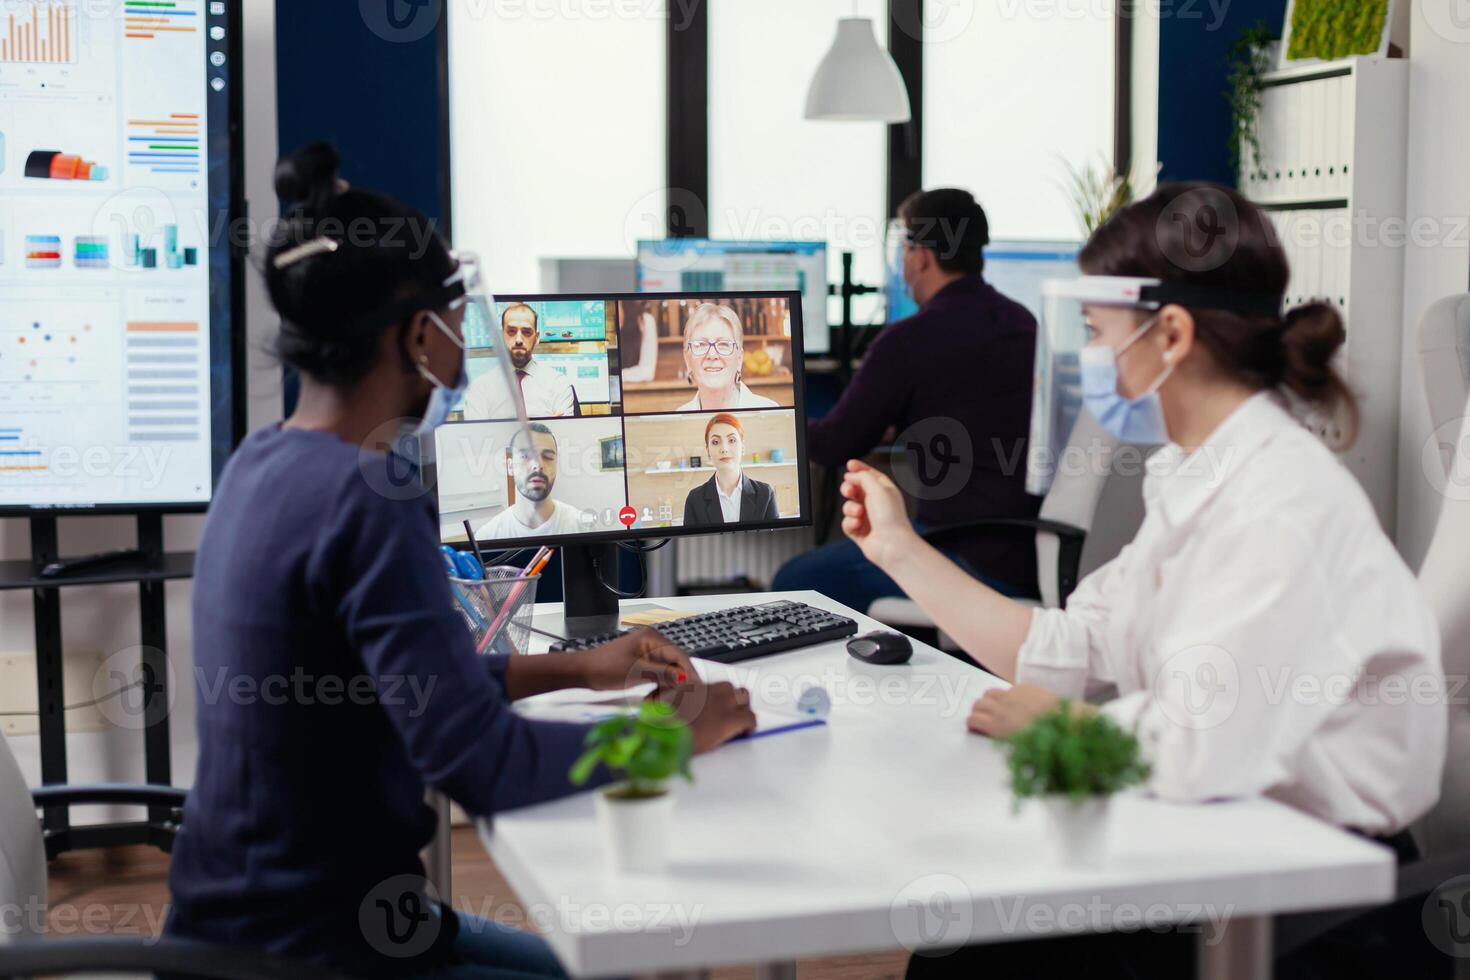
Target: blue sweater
335,684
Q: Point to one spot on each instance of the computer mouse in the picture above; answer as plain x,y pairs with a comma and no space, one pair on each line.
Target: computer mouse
883,649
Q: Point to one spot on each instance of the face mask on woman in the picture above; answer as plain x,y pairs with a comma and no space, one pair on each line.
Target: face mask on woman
445,396
1137,420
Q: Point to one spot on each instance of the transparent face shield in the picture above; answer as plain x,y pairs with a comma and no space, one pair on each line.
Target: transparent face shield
491,393
1061,333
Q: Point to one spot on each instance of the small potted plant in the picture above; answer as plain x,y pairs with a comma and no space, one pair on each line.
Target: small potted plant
647,749
1073,760
1252,54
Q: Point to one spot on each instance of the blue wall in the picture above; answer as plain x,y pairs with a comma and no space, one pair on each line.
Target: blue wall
364,74
1194,117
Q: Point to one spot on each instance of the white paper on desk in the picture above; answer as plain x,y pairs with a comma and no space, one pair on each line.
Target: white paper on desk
583,706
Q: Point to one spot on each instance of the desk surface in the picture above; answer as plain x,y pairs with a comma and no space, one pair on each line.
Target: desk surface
891,827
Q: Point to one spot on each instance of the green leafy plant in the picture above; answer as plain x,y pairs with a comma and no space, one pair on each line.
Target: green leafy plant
1331,29
1250,58
1079,754
1098,192
647,748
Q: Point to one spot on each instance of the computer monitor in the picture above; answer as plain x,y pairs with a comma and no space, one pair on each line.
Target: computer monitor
122,334
1014,267
707,435
695,265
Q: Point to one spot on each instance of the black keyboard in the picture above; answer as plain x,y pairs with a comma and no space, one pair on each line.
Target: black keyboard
728,635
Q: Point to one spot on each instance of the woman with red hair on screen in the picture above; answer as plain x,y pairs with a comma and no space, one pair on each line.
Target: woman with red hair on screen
728,497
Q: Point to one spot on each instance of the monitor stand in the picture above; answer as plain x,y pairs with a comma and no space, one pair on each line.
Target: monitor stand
591,608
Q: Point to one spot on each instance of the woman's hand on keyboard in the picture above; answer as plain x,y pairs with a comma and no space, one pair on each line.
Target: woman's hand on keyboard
637,658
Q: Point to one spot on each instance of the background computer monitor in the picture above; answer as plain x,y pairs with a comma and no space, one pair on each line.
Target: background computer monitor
631,458
695,265
121,299
1016,268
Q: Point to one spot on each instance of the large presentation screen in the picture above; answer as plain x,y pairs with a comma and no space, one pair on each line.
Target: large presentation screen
118,185
650,415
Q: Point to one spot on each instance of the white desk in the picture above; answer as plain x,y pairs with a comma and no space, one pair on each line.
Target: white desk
892,827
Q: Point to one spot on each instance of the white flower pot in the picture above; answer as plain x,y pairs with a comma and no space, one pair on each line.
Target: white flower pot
637,831
1079,828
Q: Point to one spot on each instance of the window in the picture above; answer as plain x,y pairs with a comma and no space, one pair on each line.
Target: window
558,132
1013,93
773,174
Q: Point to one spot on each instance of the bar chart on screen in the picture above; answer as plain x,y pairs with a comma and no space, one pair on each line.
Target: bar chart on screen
43,32
153,20
55,49
167,143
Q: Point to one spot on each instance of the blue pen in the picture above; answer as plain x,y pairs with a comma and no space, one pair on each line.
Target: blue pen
794,726
452,566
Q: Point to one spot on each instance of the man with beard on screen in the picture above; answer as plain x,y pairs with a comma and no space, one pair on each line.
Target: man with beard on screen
535,513
547,393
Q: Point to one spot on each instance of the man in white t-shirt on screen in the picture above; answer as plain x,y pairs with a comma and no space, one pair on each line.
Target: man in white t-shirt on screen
547,393
534,513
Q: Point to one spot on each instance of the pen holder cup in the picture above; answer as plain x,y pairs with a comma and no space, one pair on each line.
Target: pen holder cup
497,609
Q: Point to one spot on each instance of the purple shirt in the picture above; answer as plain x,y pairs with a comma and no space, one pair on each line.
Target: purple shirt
958,370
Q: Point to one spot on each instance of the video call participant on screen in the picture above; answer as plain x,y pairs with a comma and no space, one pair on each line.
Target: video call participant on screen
306,808
963,362
535,512
546,392
728,497
714,355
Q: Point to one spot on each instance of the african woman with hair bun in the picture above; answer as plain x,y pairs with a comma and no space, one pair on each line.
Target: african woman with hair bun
336,683
1259,557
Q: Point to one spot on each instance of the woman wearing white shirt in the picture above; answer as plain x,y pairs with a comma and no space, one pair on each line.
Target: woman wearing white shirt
1263,635
714,356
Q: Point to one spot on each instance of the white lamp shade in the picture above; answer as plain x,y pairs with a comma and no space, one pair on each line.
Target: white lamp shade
857,80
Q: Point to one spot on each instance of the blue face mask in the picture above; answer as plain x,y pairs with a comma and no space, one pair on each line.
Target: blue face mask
1137,420
445,397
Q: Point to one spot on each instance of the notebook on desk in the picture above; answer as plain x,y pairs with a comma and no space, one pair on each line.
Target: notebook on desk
583,706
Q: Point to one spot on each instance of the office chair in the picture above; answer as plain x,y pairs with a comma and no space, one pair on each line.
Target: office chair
1443,834
23,888
1068,516
1444,358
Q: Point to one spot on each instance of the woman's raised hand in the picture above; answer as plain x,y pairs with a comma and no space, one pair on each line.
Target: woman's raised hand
874,515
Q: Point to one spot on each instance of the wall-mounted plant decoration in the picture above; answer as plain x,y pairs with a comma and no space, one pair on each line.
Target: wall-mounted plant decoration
1329,29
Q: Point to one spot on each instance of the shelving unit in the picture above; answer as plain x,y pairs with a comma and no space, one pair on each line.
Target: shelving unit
151,570
1332,176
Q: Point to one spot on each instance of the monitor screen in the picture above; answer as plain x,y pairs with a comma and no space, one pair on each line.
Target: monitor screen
119,179
651,414
1015,268
703,265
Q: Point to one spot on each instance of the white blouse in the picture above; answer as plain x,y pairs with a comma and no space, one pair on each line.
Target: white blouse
744,398
1263,634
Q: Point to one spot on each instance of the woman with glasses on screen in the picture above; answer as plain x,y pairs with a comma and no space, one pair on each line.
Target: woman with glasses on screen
321,594
728,497
714,356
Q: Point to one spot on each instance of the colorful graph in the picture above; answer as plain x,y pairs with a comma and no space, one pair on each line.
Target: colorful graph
91,252
14,459
148,257
37,353
165,146
146,20
42,37
43,251
56,165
